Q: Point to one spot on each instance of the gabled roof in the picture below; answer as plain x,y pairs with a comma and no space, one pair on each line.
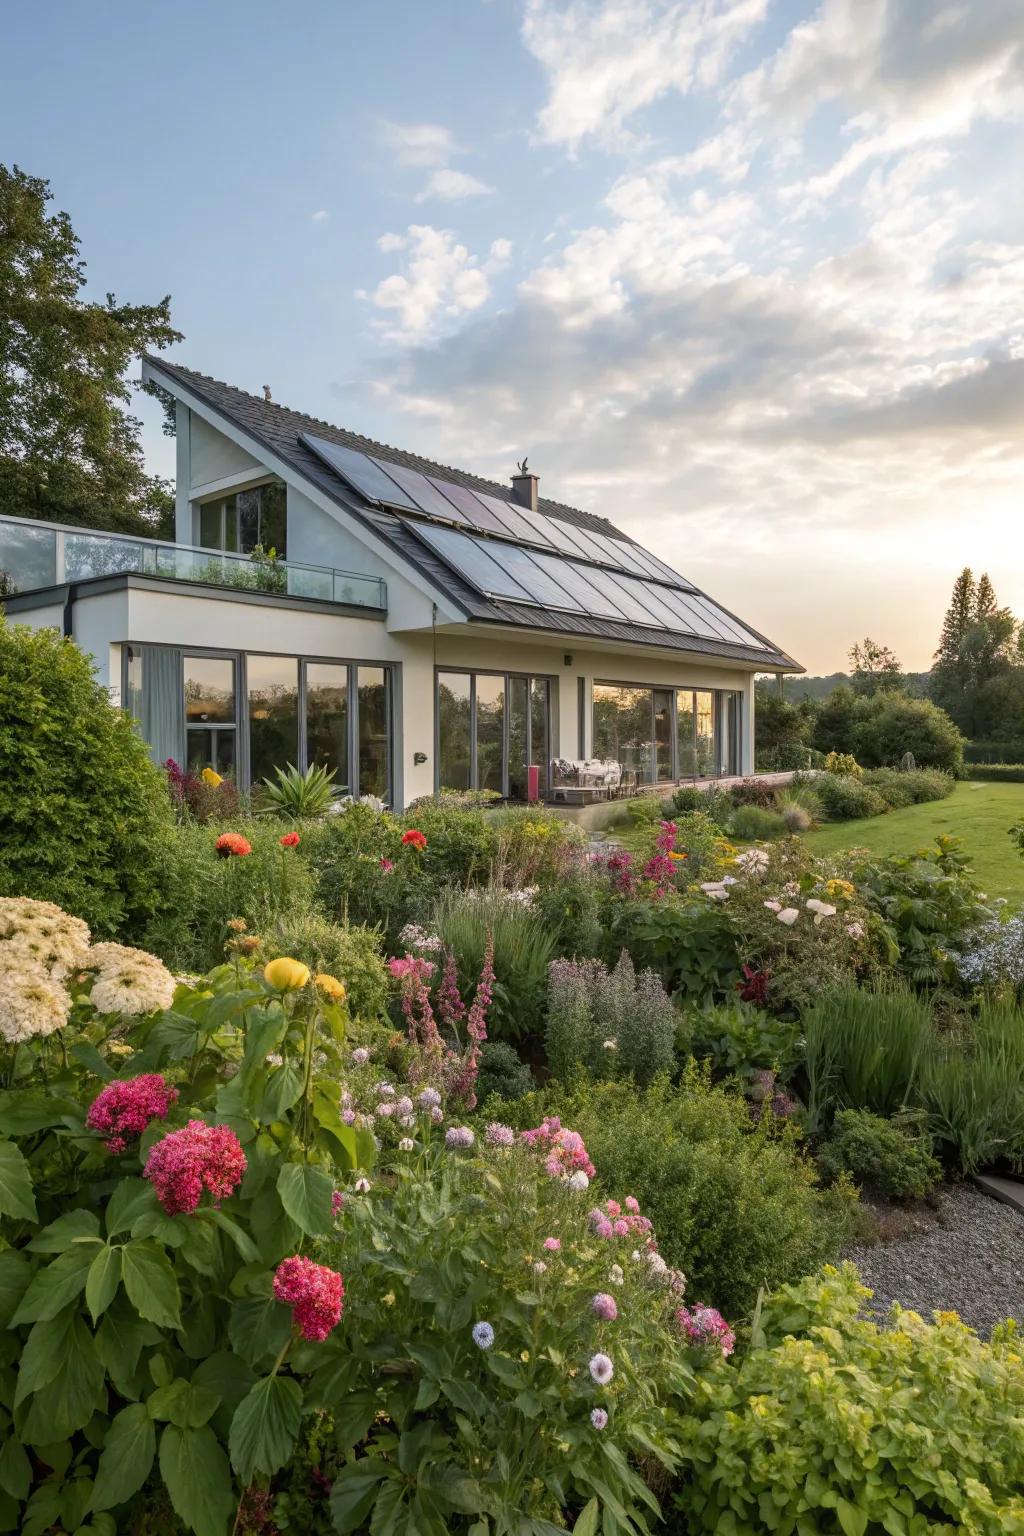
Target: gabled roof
278,429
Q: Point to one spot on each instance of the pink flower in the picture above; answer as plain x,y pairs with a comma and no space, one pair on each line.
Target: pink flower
632,1204
604,1228
122,1110
705,1327
188,1161
604,1306
566,1153
553,1244
314,1293
386,866
613,1208
621,1228
498,1135
337,1203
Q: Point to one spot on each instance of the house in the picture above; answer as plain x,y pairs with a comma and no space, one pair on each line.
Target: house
413,627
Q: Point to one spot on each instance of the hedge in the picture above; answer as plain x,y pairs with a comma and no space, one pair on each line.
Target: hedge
997,773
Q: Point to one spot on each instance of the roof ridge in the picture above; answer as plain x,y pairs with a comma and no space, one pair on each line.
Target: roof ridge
372,444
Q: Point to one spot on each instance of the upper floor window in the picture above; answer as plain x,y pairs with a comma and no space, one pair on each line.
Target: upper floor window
246,520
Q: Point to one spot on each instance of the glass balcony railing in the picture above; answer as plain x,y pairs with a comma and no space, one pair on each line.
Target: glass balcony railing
37,554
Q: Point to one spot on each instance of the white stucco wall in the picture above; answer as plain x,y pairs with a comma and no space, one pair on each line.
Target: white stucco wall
212,456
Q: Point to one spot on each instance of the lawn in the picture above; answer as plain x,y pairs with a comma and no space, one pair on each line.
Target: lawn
978,813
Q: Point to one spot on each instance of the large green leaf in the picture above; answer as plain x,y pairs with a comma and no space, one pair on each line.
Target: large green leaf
120,1340
196,1473
56,1285
127,1457
43,1354
131,1199
15,1468
102,1281
25,1110
15,1274
243,1242
150,1282
16,1197
60,1234
69,1401
280,1092
258,1327
264,1427
183,1403
355,1492
306,1196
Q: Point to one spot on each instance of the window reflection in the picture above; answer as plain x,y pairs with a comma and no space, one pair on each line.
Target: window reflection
327,719
623,727
453,728
373,731
273,683
490,732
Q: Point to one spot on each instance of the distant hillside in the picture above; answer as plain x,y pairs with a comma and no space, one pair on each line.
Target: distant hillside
797,688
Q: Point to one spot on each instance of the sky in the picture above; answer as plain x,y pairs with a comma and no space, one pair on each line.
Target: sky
745,276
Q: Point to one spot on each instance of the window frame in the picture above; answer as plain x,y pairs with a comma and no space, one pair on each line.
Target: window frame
221,499
719,705
506,674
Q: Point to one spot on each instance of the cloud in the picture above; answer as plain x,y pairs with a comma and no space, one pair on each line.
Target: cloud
427,144
320,216
439,282
450,186
607,59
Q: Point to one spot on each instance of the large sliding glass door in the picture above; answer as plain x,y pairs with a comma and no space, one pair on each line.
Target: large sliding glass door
493,728
662,734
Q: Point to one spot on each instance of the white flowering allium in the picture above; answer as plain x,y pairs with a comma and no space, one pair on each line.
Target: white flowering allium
32,1004
128,980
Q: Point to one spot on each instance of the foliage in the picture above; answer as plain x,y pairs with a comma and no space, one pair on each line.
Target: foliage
502,1074
84,813
295,795
977,657
613,1023
972,1085
69,452
715,802
494,1347
997,773
353,953
753,792
843,764
993,956
789,757
734,1202
926,901
889,1157
900,787
874,668
845,798
645,810
204,797
523,947
570,908
143,1334
750,823
820,1426
739,1039
864,1050
689,942
836,721
206,892
896,724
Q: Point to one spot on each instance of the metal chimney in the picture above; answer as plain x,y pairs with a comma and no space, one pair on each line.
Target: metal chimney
524,487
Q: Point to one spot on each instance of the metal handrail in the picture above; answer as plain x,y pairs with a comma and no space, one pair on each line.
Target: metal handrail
35,553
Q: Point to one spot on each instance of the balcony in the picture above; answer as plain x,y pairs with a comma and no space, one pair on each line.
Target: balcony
38,554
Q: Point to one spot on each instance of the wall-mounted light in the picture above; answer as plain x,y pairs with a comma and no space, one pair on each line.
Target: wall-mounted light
567,659
419,758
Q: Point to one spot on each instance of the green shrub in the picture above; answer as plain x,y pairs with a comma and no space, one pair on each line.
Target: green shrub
910,786
819,1428
714,802
734,1202
523,949
570,908
972,1085
749,823
996,773
690,944
753,792
889,1157
787,757
699,837
353,954
502,1074
844,764
84,814
268,885
644,810
925,902
863,1050
740,1039
846,799
295,794
894,724
612,1023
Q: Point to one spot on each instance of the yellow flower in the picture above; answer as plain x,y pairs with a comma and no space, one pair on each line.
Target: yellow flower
330,986
389,1299
287,975
209,777
947,1317
525,1356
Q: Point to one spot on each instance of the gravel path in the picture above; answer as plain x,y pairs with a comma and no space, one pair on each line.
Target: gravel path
967,1257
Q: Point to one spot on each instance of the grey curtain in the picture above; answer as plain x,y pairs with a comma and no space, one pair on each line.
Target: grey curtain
162,719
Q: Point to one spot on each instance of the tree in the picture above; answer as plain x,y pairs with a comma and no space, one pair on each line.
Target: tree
835,727
69,451
979,645
875,668
893,724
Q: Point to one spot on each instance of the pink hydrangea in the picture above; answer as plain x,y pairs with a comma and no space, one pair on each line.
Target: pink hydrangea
553,1244
604,1306
705,1327
314,1293
565,1151
188,1161
629,1223
122,1110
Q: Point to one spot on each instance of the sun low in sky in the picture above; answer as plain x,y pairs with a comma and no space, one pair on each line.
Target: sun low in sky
747,277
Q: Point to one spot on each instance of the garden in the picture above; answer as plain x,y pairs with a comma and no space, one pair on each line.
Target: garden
441,1172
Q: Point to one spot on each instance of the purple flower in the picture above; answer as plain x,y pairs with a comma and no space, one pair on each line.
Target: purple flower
604,1306
499,1135
429,1099
483,1335
459,1136
360,1055
601,1369
404,1106
599,1418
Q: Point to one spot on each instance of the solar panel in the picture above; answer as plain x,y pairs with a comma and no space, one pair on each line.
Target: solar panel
541,583
360,471
628,603
515,522
470,505
426,495
469,557
583,582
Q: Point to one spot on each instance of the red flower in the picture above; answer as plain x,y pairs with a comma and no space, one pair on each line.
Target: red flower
314,1293
188,1161
232,844
289,840
414,838
754,986
124,1108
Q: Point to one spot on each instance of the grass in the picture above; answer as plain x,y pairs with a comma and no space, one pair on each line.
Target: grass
980,814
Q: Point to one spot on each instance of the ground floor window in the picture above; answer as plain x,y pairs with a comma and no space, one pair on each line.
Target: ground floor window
493,732
247,714
661,734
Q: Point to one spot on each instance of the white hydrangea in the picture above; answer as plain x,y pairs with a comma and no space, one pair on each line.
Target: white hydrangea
32,1004
128,980
44,933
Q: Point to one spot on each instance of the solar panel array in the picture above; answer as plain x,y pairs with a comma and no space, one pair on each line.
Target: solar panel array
527,557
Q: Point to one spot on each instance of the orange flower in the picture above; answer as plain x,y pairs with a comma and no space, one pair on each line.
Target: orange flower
678,856
232,844
290,840
414,838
